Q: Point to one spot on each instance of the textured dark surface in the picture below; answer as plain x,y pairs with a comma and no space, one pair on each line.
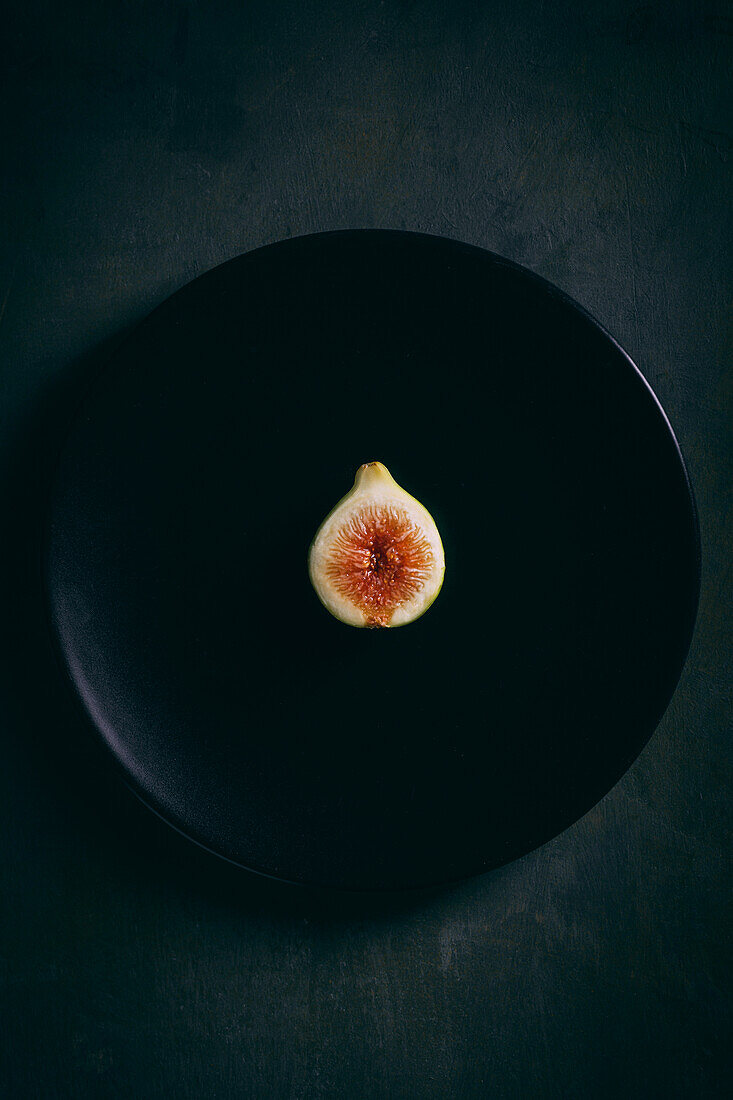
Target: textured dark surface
144,143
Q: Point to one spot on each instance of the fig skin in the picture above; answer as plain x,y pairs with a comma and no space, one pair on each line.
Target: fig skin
377,559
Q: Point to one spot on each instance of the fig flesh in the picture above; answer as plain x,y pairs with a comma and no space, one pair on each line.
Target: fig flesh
377,559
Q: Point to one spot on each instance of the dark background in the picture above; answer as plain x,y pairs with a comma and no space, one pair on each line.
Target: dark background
142,144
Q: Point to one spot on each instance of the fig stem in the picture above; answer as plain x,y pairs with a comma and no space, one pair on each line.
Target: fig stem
371,473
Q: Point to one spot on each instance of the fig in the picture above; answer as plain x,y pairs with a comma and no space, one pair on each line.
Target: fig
377,559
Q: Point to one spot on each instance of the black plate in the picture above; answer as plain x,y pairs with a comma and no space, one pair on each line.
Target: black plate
199,469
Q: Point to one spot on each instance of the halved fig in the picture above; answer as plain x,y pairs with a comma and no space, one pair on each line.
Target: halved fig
377,558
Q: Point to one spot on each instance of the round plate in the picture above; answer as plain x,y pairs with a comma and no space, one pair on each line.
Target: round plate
199,469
